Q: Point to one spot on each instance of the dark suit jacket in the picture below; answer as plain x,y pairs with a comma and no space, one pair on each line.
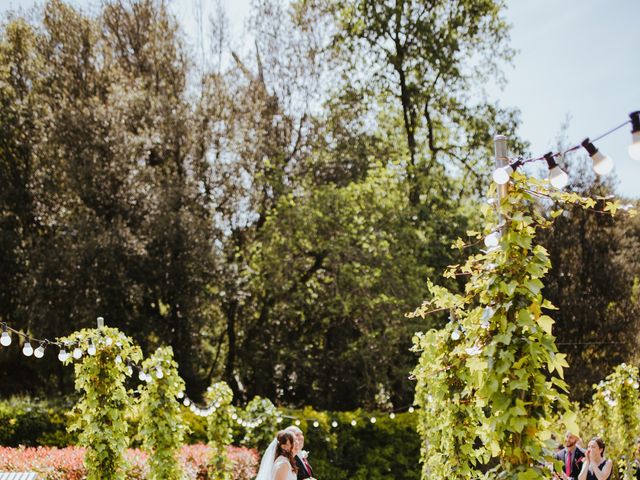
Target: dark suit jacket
576,461
302,471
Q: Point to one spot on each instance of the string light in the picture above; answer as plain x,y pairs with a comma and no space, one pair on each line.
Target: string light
91,350
602,164
557,176
503,174
634,148
27,349
77,353
5,339
39,352
492,240
334,424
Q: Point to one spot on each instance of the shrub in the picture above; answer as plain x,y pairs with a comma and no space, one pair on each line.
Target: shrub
67,463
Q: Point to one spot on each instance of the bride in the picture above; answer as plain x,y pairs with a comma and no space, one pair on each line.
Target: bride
278,462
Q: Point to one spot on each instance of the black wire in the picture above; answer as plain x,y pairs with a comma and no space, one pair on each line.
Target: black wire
576,147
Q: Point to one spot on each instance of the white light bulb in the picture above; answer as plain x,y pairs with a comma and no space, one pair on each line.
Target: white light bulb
602,164
316,424
455,335
392,415
77,353
558,177
129,370
334,424
39,352
118,359
62,356
634,148
180,394
159,373
5,339
141,376
492,240
186,402
411,409
92,349
27,349
353,423
298,423
108,341
502,175
373,420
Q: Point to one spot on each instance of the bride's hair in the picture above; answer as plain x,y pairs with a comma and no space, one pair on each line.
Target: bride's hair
283,438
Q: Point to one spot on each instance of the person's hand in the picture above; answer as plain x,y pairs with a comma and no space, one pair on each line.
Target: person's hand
587,455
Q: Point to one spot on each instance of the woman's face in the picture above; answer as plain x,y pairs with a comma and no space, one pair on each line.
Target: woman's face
286,447
593,447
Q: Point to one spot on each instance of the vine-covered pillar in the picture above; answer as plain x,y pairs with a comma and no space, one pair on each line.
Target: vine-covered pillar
491,381
219,430
100,359
162,428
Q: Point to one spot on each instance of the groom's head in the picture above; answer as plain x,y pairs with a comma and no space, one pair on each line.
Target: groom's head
299,438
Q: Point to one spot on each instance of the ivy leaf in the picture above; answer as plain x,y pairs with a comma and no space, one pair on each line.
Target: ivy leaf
546,323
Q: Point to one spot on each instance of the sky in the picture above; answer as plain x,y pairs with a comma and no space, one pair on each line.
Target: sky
576,60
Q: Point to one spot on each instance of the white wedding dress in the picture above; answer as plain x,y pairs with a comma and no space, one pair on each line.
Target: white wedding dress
280,461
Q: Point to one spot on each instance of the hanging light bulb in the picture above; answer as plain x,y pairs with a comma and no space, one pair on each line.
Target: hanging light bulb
503,174
91,350
63,355
557,176
492,240
142,376
129,370
108,341
334,424
27,349
353,423
5,339
634,148
180,394
411,409
373,420
77,353
186,402
39,352
392,415
159,373
316,424
118,359
602,164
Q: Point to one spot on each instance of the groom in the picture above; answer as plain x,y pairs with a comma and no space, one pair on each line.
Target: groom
304,469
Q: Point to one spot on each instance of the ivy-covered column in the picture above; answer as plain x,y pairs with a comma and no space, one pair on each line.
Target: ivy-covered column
161,427
490,380
219,431
615,416
100,357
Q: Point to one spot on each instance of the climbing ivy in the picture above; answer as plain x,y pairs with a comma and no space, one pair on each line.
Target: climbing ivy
261,419
219,430
615,416
490,382
161,426
101,413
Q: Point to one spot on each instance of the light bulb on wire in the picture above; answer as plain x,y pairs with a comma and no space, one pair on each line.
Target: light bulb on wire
558,177
503,174
91,349
602,164
492,240
77,353
63,355
634,148
39,352
27,349
5,339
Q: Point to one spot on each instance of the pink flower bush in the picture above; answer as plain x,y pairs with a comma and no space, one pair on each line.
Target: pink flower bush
67,463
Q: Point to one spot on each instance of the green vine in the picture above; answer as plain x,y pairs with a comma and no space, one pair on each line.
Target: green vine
615,416
161,427
219,430
261,418
101,413
490,383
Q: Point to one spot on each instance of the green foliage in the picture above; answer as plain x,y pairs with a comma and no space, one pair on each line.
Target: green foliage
219,429
615,416
30,422
490,381
101,413
161,424
259,433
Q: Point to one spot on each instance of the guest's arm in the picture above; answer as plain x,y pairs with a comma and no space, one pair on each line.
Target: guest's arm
605,472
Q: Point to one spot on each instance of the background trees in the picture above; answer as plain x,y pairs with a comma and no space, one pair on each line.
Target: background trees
272,212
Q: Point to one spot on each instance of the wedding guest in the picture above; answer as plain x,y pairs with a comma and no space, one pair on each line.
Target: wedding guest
595,466
571,457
